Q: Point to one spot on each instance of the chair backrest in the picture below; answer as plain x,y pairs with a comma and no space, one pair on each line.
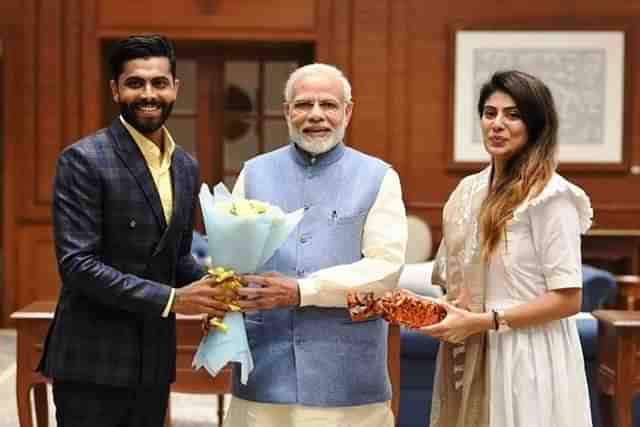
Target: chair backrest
419,243
598,287
417,278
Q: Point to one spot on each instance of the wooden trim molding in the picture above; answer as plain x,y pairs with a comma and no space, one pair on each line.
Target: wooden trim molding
214,34
201,19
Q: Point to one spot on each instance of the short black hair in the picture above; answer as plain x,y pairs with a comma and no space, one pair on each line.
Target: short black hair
140,46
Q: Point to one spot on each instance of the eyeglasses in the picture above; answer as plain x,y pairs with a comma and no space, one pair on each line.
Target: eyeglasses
305,106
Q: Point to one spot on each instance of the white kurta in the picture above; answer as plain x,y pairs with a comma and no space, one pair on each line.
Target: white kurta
384,243
243,413
536,374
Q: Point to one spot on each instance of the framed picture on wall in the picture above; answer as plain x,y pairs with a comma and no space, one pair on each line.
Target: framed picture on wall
583,68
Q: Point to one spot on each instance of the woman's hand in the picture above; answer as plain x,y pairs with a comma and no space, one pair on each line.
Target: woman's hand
458,325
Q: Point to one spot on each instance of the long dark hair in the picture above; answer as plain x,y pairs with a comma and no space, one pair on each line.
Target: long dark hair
529,170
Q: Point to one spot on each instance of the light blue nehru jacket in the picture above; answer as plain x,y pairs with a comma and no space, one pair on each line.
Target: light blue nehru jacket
310,355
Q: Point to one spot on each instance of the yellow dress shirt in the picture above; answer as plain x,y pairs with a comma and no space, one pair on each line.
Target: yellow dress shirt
159,164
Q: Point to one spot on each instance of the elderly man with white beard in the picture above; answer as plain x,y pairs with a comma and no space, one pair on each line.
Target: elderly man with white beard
313,365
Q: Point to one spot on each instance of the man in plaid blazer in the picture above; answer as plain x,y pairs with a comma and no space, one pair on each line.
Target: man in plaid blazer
124,200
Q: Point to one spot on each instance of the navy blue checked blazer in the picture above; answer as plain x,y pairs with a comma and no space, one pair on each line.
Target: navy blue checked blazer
117,259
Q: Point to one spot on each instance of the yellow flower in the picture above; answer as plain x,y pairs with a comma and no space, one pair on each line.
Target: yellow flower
244,207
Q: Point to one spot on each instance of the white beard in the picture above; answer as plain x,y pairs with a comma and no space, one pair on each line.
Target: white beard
315,145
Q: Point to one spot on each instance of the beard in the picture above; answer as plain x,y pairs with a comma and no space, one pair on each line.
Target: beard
315,145
145,125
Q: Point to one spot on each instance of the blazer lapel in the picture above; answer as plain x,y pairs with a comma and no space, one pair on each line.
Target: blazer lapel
128,151
179,202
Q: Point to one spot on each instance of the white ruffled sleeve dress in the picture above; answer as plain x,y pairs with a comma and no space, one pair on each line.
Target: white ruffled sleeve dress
536,374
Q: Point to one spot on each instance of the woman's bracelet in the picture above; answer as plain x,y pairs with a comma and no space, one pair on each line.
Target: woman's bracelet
496,325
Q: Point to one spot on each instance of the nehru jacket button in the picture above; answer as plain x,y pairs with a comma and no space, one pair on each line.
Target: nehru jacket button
132,224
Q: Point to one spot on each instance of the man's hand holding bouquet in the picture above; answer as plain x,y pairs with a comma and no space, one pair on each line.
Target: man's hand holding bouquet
242,236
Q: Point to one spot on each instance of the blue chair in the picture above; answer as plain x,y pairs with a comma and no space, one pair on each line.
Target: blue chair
598,287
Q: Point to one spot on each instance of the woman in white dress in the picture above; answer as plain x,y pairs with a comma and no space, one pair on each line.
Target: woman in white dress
510,264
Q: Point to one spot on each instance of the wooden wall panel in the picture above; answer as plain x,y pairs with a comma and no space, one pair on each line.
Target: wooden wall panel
90,66
324,10
334,33
44,110
48,102
209,18
17,127
71,72
37,268
360,40
51,99
11,113
370,78
395,52
28,131
399,72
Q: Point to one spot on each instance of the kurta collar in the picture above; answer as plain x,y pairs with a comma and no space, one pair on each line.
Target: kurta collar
320,160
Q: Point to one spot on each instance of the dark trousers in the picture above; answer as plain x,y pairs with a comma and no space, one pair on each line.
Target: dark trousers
84,404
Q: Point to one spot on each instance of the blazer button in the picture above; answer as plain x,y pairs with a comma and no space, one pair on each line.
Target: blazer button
132,224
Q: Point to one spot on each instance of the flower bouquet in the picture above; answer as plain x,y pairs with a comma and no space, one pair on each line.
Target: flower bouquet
242,236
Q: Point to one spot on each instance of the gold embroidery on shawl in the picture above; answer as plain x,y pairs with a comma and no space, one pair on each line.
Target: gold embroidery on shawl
460,389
